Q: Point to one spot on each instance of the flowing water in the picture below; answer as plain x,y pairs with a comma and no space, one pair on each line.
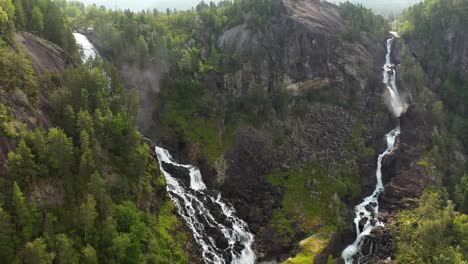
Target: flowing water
367,212
223,237
89,52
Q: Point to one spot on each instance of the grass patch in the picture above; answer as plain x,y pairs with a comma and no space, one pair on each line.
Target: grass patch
309,196
310,247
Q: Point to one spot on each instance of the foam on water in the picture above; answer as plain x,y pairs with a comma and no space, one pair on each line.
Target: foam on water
204,210
368,209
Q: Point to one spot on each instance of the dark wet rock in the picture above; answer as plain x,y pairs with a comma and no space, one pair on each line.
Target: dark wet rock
362,223
221,242
378,247
180,173
403,190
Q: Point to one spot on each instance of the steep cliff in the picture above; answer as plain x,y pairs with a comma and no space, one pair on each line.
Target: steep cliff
334,86
26,111
286,117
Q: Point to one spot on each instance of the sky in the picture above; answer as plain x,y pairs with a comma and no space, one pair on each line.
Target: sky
146,4
380,6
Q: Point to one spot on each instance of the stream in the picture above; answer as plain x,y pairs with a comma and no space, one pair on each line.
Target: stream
367,211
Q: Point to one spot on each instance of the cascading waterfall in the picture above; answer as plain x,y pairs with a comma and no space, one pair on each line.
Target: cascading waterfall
89,52
223,237
368,210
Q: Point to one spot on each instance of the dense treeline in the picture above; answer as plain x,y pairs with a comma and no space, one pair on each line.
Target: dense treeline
99,159
87,189
437,232
361,19
433,232
188,42
416,24
44,18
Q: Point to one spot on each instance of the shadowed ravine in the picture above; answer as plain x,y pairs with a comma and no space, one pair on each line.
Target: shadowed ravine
368,210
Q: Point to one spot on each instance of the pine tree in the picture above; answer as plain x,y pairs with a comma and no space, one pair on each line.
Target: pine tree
68,122
37,20
97,187
89,255
36,253
66,254
7,13
88,215
21,213
7,235
60,152
20,164
20,18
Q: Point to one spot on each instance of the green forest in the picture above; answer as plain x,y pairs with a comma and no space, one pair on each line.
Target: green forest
105,199
87,188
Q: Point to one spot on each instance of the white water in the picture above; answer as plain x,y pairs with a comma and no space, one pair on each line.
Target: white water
89,52
395,102
370,214
200,208
196,204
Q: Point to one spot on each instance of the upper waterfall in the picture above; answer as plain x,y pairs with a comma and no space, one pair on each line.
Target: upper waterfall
89,51
393,99
367,211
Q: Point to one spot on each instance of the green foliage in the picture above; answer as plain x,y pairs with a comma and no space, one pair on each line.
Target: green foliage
16,72
20,16
425,25
433,233
309,194
65,251
88,215
7,14
37,20
36,253
188,117
99,173
310,247
89,255
360,19
7,233
21,164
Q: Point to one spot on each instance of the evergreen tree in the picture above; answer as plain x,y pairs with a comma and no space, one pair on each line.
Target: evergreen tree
60,151
20,164
7,14
89,255
21,214
68,122
36,253
7,235
20,16
65,253
97,187
37,20
88,215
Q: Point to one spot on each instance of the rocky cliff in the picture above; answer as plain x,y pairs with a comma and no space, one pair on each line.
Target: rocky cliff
46,58
336,117
301,52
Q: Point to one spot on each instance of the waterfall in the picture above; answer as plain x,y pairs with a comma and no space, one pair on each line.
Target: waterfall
368,209
222,236
89,52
